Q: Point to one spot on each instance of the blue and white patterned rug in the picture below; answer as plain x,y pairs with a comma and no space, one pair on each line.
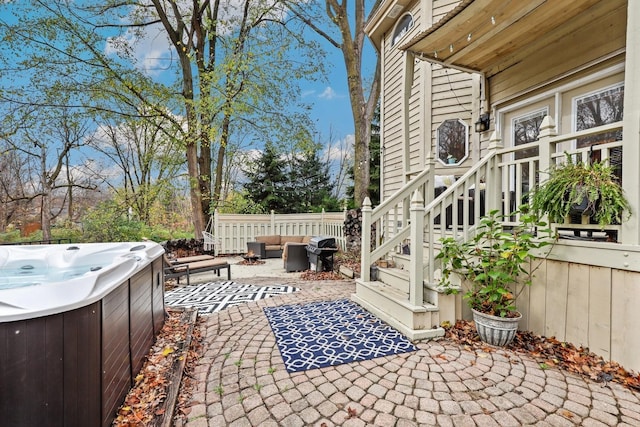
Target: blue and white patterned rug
331,333
215,296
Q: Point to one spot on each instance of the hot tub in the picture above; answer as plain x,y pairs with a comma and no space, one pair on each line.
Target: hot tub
75,324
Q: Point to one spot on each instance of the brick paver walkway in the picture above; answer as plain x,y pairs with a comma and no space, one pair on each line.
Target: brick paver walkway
242,381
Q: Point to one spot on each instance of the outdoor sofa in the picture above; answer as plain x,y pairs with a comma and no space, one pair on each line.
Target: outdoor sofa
272,246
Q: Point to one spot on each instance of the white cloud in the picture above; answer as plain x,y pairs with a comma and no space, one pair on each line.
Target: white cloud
342,149
307,93
328,93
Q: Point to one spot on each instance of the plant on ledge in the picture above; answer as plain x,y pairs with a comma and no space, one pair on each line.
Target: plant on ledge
493,262
581,188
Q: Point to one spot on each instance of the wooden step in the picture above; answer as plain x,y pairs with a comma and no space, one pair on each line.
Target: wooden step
393,307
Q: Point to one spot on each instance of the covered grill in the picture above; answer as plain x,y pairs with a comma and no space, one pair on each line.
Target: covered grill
320,251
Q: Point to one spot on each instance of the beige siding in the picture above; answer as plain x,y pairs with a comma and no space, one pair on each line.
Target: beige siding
393,134
451,96
586,305
452,99
442,7
625,300
416,122
436,95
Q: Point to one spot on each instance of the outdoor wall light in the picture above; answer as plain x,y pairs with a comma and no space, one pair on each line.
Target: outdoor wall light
483,123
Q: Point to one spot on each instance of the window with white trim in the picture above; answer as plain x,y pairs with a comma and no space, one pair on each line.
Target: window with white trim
597,109
452,146
404,25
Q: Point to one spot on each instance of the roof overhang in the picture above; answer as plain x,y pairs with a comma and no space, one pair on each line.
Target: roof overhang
487,36
383,18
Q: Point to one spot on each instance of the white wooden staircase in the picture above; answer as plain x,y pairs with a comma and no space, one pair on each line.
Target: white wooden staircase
406,296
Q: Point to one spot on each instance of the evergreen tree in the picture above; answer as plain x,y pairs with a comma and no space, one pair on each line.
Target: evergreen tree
267,178
299,182
312,185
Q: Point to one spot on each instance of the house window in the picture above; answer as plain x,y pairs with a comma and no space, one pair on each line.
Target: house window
453,142
526,129
597,109
404,25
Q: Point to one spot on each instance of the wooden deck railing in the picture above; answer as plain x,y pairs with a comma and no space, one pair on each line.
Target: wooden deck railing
501,180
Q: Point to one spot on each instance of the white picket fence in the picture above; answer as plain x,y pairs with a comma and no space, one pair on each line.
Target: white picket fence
231,232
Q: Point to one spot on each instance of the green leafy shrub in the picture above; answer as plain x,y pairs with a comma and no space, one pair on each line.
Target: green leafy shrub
493,261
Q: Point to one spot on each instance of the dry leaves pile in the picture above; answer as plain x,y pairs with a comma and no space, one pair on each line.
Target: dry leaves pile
550,352
145,403
320,275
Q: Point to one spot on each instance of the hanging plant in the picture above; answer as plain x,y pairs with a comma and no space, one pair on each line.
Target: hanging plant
584,188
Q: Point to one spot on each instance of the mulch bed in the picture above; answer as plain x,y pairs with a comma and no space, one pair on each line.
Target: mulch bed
550,352
152,399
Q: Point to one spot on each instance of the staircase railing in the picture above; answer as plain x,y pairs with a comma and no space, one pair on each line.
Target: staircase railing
500,180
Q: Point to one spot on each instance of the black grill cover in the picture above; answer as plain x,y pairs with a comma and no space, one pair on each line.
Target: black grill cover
320,244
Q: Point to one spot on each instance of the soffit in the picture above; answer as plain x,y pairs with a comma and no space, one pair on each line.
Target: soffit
490,35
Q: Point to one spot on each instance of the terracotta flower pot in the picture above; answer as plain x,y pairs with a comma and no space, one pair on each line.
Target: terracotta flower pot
495,330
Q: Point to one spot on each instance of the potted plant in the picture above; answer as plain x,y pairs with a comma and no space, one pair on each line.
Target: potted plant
493,262
581,188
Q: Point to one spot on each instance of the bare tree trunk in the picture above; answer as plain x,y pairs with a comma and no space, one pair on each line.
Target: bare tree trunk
45,207
351,44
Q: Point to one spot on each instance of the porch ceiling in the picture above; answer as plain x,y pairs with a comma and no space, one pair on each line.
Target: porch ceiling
491,35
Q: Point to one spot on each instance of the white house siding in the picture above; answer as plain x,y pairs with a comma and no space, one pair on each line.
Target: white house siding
442,7
448,92
416,113
452,99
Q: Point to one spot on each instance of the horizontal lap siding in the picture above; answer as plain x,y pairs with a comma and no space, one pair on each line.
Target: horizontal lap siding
417,139
451,99
392,107
442,7
451,94
392,133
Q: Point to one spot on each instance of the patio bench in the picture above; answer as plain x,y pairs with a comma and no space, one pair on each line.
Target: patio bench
178,270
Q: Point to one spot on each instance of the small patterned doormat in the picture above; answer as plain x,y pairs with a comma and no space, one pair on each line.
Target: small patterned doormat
215,296
331,333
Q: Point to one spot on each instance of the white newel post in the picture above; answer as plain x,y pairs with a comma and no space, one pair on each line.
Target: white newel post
547,131
273,223
494,180
430,162
416,269
365,245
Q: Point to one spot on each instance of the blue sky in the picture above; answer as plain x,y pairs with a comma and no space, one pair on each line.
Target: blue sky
329,98
331,110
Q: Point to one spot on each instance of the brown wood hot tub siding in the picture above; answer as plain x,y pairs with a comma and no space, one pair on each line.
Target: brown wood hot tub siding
74,368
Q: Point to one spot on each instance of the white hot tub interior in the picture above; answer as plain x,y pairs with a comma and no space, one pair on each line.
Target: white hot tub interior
41,279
